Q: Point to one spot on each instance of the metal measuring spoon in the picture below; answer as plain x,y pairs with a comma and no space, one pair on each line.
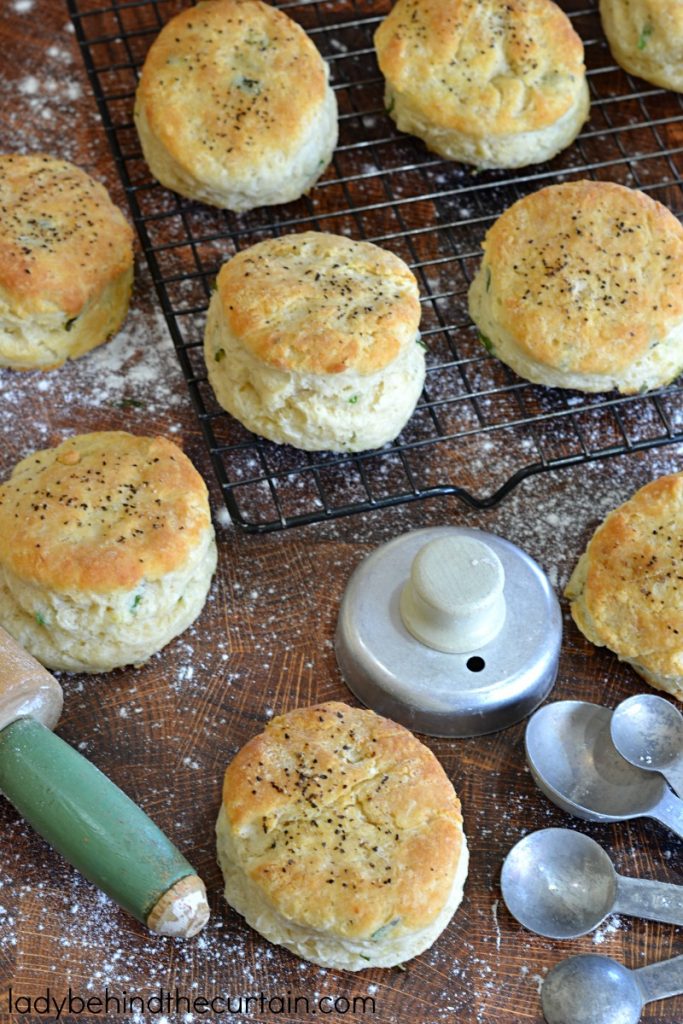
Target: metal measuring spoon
561,884
574,762
594,989
648,731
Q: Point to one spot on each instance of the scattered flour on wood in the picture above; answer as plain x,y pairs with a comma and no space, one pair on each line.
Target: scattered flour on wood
607,930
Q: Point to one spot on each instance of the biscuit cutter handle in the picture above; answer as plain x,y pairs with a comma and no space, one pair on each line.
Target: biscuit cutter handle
99,830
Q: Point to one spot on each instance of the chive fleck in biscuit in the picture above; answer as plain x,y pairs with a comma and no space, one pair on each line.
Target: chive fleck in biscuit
234,106
646,38
340,837
581,286
66,262
312,339
626,591
494,83
106,550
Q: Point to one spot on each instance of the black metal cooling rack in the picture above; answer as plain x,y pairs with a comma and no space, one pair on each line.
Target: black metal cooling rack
478,429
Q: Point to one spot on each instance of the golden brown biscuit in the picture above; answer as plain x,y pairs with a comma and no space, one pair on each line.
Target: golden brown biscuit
646,38
311,339
495,83
66,262
626,591
340,837
581,286
106,550
234,107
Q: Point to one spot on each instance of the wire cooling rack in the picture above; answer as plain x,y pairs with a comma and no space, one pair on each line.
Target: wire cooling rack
478,429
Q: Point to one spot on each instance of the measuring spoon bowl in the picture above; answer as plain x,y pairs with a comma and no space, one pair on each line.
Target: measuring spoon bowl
558,883
648,731
591,989
573,760
561,884
594,989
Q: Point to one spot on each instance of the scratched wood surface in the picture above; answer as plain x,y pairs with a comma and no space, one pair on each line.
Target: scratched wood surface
264,645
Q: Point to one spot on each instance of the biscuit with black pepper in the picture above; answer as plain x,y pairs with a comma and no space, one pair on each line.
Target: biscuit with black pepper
340,837
106,550
626,591
581,286
494,83
312,339
234,106
66,262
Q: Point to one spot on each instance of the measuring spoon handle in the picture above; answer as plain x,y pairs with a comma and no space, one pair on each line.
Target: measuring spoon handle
674,776
669,811
662,980
656,901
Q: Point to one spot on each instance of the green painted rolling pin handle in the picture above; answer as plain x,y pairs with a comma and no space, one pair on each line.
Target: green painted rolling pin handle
80,812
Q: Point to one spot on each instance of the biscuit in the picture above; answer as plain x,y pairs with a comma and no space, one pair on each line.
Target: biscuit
312,339
106,550
340,837
66,262
626,591
646,38
234,108
494,83
581,286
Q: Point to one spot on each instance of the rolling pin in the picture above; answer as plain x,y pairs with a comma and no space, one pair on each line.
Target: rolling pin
81,813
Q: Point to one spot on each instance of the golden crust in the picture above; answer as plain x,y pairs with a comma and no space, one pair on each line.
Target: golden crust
346,821
320,303
100,512
229,84
62,240
586,276
627,591
482,67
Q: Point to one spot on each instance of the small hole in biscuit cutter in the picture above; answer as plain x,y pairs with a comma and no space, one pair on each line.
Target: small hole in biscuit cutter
476,664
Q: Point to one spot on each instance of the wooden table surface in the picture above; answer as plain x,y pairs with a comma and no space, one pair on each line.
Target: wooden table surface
262,646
